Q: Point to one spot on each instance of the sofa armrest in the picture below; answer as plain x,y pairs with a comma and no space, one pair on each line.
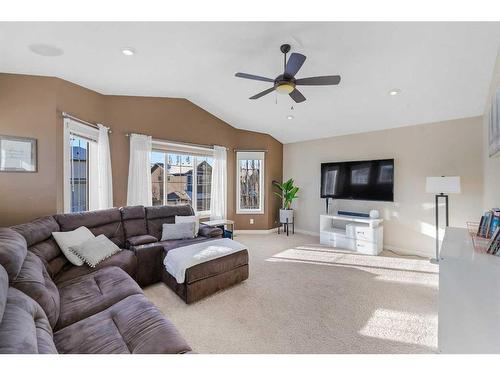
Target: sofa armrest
208,231
141,240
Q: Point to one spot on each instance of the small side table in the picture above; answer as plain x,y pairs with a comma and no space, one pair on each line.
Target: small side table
227,226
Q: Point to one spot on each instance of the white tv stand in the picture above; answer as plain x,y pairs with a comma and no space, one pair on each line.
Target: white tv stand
361,234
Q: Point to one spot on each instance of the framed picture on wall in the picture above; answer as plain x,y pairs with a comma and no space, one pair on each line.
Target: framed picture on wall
494,125
18,154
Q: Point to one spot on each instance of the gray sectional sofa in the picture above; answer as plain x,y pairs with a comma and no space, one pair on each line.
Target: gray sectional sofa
48,305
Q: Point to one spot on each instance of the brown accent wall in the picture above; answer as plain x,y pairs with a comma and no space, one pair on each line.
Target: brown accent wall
31,106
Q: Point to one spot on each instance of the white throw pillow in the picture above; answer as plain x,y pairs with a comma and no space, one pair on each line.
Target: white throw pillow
95,250
189,219
72,238
177,231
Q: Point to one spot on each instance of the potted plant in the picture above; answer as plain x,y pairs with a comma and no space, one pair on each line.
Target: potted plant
287,193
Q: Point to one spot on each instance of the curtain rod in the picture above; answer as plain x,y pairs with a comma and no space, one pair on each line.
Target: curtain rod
67,115
238,150
177,143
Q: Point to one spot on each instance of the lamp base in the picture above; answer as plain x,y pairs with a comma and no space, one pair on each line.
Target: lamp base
434,261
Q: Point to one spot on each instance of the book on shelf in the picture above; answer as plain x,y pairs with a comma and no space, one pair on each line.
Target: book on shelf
495,242
481,225
490,221
489,227
486,224
495,220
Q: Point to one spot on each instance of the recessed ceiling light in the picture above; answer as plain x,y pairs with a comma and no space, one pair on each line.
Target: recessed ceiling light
290,117
46,50
128,51
394,92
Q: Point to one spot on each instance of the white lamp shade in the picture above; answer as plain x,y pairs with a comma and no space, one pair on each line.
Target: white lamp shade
443,184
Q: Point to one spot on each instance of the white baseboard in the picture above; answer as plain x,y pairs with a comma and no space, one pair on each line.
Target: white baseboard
308,232
398,250
255,231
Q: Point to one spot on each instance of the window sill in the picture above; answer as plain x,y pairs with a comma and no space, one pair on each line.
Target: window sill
250,212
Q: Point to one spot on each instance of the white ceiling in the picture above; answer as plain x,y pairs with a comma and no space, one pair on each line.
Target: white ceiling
442,69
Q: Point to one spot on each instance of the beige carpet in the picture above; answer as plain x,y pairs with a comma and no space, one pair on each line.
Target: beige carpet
311,299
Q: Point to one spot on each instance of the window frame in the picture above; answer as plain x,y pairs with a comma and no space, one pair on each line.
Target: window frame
247,155
71,127
194,153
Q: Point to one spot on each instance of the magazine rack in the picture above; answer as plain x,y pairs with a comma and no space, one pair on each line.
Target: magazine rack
480,243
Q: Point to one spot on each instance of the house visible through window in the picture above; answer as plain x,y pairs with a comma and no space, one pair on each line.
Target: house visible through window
179,178
250,182
79,174
80,169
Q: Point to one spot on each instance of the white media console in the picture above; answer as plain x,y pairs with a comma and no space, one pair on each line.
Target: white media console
360,234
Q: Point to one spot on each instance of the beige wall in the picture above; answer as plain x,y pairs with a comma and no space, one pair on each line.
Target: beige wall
446,148
491,165
31,106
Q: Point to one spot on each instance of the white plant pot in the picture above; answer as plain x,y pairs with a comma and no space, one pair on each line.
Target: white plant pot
286,214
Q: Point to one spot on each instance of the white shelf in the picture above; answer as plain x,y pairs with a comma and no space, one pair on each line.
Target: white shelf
359,234
334,230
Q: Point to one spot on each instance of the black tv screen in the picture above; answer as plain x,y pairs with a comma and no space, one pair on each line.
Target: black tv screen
371,180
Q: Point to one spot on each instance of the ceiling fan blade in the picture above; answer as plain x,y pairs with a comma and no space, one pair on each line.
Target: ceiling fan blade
254,77
319,81
297,96
294,64
260,94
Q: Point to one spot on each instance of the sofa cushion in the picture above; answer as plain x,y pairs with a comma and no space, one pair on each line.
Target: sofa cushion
38,235
34,281
134,221
156,216
107,222
4,287
208,231
125,260
133,325
24,328
170,244
37,230
90,294
13,249
141,240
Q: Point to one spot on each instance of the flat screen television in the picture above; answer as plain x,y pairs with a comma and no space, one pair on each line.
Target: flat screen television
370,180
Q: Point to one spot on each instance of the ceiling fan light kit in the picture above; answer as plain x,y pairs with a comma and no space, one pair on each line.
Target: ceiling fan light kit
286,83
285,87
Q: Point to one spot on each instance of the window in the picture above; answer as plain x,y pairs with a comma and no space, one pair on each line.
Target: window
80,173
181,178
250,182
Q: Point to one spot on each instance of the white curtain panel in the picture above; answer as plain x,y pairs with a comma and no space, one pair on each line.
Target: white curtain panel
218,197
100,178
139,171
104,175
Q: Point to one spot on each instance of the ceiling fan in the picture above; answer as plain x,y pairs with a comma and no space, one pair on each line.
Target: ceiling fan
286,83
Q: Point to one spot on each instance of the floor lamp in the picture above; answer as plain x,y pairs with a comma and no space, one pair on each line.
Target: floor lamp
441,187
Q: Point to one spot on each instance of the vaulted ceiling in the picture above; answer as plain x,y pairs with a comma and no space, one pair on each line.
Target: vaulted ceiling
443,70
